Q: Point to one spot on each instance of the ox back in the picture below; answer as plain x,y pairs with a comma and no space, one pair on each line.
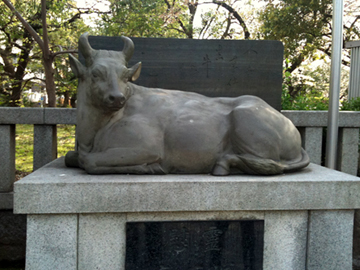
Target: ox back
214,68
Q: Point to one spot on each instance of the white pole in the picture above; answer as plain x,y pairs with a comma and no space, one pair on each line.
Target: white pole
333,115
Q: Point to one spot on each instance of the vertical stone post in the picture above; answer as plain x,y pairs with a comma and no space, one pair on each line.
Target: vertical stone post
45,145
7,157
52,242
348,151
102,241
330,240
285,240
312,143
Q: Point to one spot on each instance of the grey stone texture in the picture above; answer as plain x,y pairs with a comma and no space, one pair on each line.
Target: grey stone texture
6,201
314,187
330,235
30,116
7,157
77,221
102,241
285,240
54,116
37,116
320,118
51,242
312,142
356,241
45,145
348,153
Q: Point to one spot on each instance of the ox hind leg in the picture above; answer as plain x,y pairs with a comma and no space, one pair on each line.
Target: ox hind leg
246,164
257,136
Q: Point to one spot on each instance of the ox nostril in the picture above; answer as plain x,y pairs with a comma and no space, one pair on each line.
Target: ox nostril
111,98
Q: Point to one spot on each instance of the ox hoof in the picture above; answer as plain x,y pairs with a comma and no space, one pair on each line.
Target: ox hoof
71,159
220,170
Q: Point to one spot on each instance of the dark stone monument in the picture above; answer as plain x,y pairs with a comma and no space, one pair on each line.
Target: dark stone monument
214,68
195,245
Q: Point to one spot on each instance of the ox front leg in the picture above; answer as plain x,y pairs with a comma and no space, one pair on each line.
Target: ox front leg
123,161
72,159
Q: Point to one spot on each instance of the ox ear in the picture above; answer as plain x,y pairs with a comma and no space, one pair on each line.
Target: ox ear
76,66
134,72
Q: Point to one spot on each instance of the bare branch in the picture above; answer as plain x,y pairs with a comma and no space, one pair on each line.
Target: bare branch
235,14
226,32
30,79
328,53
25,24
353,23
54,54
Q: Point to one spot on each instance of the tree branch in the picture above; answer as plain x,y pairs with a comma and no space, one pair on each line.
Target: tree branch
235,14
46,49
30,79
328,53
226,32
188,33
25,24
63,52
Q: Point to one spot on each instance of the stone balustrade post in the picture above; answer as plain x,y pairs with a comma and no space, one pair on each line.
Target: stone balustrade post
348,150
312,143
7,157
45,145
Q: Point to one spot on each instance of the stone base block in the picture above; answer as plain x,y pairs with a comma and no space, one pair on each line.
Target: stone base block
78,221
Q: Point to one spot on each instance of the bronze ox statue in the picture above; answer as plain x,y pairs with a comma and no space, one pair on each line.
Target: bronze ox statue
129,129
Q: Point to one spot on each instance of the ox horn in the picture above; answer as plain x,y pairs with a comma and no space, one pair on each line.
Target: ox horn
85,48
128,49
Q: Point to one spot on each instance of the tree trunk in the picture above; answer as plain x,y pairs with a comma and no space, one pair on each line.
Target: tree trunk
15,98
73,101
16,89
66,99
49,81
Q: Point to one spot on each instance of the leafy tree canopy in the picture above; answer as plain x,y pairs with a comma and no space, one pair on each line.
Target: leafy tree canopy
21,57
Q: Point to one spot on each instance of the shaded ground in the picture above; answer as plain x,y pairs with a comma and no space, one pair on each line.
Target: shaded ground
19,175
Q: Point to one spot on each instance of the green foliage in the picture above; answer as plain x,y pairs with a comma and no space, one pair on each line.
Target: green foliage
351,105
20,56
302,25
307,101
308,96
137,18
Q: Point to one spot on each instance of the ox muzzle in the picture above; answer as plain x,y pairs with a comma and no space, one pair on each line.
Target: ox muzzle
115,101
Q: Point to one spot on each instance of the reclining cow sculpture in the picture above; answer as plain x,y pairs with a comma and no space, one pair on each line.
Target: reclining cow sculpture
125,128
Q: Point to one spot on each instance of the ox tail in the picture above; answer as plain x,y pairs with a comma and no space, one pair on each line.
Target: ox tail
255,165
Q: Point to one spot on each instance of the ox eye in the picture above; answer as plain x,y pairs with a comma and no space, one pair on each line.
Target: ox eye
96,74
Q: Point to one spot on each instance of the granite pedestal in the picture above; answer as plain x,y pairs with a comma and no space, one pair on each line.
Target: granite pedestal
78,221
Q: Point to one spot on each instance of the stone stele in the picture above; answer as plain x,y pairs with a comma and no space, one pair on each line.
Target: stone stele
129,129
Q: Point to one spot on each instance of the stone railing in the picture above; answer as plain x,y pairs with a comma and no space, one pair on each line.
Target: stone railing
310,123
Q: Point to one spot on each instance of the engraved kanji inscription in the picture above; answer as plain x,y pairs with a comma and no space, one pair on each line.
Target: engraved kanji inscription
195,245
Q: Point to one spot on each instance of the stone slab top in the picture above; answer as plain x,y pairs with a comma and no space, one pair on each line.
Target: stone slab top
56,189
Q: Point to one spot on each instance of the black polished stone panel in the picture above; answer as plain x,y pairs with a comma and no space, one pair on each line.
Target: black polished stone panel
195,245
214,68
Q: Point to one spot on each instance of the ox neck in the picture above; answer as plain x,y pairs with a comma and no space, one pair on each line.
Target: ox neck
89,121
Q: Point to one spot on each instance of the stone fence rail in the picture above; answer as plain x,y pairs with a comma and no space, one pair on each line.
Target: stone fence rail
310,123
